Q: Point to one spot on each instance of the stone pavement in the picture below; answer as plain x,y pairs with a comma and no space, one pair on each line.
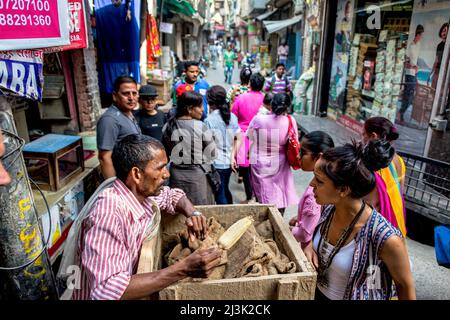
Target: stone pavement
431,281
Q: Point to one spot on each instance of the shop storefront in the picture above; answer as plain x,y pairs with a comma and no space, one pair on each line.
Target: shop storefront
51,94
281,25
389,60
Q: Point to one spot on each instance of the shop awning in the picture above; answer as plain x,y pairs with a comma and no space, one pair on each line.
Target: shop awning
195,18
266,15
179,6
274,26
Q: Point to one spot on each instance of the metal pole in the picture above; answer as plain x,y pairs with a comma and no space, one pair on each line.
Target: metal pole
21,239
317,83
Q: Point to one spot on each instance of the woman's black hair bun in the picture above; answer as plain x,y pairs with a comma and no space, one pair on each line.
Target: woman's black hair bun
280,103
376,154
392,134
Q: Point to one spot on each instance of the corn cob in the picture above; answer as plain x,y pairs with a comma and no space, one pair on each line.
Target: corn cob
234,233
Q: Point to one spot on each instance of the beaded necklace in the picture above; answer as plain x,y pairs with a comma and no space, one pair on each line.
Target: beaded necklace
322,274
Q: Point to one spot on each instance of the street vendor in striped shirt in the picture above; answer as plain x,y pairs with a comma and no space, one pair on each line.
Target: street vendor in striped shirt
123,215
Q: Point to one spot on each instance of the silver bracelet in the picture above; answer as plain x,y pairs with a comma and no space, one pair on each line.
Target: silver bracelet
196,213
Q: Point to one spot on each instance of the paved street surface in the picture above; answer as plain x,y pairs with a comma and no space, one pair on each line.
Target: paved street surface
410,140
431,281
218,77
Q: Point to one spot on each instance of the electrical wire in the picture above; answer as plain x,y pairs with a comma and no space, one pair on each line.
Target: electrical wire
19,148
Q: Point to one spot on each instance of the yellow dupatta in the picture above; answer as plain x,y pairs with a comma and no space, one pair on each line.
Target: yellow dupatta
395,192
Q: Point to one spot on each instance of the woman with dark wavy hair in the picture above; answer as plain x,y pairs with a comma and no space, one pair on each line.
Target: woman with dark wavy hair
357,253
191,149
387,196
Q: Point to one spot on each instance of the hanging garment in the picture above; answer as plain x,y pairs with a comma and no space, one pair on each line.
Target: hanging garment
153,45
118,41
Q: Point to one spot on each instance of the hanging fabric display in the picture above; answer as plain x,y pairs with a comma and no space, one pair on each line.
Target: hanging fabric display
153,45
118,32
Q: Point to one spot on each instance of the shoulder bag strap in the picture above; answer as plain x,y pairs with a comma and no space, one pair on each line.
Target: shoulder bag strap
152,227
272,82
71,243
291,133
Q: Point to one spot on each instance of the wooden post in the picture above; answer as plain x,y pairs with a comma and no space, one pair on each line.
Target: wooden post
288,289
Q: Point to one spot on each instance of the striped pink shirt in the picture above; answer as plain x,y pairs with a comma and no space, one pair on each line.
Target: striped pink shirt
111,238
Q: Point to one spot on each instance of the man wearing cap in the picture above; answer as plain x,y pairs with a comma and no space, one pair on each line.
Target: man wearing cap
150,119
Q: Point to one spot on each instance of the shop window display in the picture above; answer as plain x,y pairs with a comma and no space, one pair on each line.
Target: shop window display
387,61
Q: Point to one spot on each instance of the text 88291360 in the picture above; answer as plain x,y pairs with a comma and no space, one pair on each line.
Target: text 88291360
24,20
25,5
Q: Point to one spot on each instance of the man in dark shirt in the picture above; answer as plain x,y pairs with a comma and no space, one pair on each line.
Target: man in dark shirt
191,80
150,120
117,122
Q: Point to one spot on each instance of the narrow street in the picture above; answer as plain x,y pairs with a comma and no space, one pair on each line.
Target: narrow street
432,281
117,158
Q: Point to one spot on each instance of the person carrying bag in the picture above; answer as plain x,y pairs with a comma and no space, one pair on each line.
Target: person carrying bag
213,177
293,147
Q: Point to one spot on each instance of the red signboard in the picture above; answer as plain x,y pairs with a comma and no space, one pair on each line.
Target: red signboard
77,24
351,124
27,24
77,27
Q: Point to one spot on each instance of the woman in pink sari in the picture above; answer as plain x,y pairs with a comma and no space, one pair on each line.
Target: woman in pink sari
271,175
245,108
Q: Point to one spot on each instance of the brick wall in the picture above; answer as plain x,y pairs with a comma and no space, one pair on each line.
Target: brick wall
86,83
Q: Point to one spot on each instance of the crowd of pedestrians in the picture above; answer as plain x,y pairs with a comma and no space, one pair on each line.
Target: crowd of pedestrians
351,218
